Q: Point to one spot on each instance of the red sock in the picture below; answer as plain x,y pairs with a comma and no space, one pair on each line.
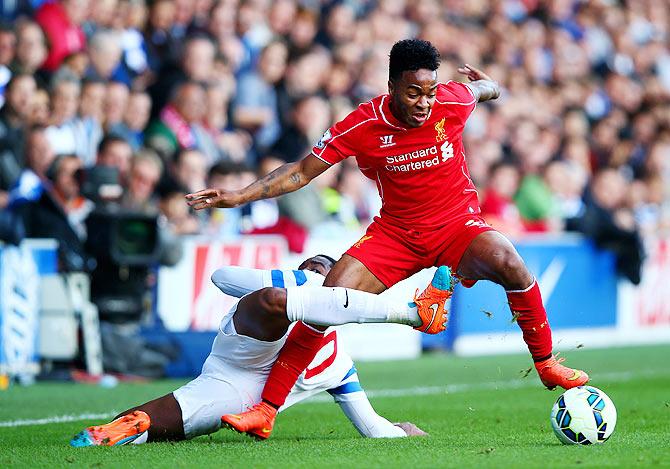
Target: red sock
527,307
298,352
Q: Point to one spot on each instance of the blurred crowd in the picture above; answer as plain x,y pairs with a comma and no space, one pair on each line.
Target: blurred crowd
179,95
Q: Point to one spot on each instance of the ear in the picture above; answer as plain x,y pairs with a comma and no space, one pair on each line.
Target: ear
391,86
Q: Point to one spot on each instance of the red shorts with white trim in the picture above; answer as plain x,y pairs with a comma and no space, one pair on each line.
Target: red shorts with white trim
392,253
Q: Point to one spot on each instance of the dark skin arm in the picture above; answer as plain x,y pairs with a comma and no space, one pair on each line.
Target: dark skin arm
287,178
481,84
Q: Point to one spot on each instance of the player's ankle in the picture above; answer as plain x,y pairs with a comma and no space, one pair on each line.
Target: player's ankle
274,406
543,358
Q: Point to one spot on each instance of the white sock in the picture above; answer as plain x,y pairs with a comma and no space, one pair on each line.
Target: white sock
332,306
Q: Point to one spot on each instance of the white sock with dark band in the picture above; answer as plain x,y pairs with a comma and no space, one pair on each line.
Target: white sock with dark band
332,306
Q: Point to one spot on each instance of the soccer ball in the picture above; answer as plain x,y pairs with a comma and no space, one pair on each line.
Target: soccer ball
582,416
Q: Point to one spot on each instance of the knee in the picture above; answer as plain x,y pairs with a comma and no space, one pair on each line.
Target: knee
273,300
511,271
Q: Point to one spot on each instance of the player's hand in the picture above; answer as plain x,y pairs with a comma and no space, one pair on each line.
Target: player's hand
411,429
212,198
473,73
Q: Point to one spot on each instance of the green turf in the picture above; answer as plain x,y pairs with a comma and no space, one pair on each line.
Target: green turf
479,426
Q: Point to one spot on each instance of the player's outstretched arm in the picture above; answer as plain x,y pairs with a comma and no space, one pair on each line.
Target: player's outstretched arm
355,404
287,178
482,85
239,281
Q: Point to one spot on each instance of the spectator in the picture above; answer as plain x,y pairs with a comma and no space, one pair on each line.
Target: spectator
115,152
74,65
105,53
92,102
116,101
61,21
133,16
31,48
190,170
304,77
14,117
63,129
161,45
180,125
309,117
196,65
40,108
303,31
91,117
611,224
102,16
234,144
10,11
33,179
7,51
567,182
135,119
60,213
145,171
255,108
498,207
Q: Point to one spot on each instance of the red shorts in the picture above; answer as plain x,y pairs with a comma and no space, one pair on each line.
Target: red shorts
393,253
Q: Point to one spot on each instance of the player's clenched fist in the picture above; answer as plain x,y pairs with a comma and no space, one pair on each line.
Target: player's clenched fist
212,198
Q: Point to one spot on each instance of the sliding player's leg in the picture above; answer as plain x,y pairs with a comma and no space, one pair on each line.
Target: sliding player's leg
194,409
156,420
491,256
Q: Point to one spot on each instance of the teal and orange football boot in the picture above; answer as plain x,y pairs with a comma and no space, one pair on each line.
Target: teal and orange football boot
121,431
431,303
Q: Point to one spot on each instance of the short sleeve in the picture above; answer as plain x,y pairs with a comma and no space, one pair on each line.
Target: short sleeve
340,141
460,96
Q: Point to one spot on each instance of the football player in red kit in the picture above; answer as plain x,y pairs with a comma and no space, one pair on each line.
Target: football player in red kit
409,142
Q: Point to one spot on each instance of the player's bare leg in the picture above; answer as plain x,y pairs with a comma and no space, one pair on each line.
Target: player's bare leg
156,420
166,420
492,257
349,272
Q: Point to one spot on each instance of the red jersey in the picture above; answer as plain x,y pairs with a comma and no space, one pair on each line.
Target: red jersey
420,172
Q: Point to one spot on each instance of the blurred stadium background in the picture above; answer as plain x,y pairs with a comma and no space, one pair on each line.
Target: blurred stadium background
112,110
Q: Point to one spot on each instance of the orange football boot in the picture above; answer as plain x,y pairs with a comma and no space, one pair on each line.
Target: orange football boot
553,374
431,303
115,433
256,422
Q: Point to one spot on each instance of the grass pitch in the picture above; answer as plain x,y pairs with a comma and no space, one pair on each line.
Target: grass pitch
480,412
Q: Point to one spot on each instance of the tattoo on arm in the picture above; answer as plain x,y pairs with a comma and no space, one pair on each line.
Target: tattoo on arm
286,178
295,178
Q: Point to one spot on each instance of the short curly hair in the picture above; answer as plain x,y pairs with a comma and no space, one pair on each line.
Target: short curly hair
412,54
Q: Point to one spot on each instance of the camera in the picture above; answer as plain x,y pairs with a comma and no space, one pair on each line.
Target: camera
126,244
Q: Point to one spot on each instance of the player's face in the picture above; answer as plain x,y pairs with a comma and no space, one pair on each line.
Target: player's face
317,264
413,96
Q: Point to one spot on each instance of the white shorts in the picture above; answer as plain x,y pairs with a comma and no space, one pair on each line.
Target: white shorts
235,372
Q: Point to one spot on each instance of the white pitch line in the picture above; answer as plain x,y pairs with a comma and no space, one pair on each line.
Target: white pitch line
57,419
403,392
